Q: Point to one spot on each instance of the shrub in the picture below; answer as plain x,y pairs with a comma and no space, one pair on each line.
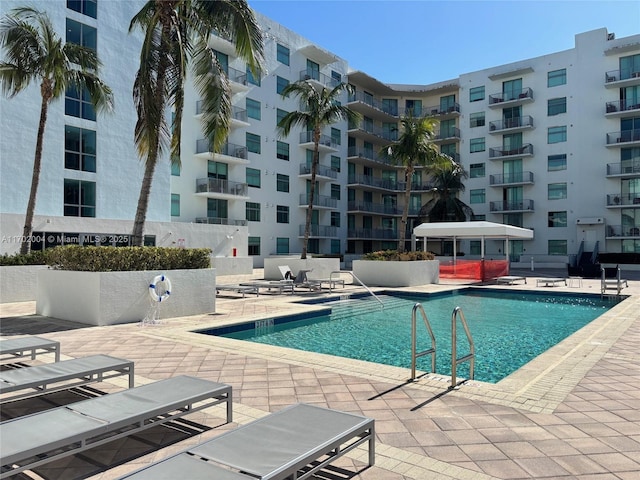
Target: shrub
34,258
393,255
120,259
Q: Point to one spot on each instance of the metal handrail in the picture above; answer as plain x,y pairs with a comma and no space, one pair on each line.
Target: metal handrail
431,351
471,356
353,275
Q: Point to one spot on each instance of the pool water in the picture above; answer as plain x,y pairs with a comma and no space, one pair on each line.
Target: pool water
509,329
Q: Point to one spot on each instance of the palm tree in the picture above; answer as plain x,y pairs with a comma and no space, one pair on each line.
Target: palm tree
321,107
175,33
35,53
445,206
414,147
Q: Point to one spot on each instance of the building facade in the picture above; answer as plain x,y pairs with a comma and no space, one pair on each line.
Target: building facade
550,143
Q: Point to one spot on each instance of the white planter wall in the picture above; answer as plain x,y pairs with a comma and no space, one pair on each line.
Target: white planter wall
19,283
397,274
107,298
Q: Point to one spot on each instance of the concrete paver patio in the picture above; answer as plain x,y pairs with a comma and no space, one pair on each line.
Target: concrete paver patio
572,413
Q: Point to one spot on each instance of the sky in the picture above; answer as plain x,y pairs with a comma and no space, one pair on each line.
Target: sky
429,41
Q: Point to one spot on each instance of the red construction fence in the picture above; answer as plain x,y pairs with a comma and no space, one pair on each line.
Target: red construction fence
482,270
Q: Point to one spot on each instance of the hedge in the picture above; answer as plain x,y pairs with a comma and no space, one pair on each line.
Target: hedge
119,259
393,255
33,258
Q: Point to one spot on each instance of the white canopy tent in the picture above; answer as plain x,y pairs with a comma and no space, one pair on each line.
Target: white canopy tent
481,230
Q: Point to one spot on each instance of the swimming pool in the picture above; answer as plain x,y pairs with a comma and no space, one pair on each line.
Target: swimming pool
509,328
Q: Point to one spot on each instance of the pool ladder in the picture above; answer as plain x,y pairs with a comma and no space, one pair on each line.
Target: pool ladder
457,312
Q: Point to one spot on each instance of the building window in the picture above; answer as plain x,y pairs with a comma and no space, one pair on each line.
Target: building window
280,114
79,198
477,196
475,247
335,163
253,212
557,247
253,109
557,219
253,142
555,106
476,145
476,119
282,183
476,94
86,7
557,134
254,246
282,54
336,136
281,84
478,217
557,162
557,191
282,245
335,219
79,149
282,214
175,205
476,170
82,34
557,77
253,177
79,105
335,246
335,191
176,168
253,80
282,150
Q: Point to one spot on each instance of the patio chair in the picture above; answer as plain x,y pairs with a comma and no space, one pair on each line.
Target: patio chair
54,377
286,272
18,348
33,440
295,442
301,280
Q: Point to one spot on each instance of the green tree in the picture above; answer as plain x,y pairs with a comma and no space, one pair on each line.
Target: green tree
413,148
176,32
320,107
35,53
445,206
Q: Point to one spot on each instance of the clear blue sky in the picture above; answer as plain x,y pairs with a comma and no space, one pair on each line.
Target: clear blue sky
422,42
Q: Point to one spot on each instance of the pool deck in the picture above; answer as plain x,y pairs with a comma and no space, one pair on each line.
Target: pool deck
572,413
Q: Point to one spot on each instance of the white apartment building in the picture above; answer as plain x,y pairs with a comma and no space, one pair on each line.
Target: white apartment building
550,143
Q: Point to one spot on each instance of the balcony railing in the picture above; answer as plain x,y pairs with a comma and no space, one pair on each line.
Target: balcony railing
325,80
372,129
623,199
222,221
377,182
623,230
373,233
371,207
325,140
621,106
319,201
511,178
507,123
623,136
440,110
237,113
319,230
229,149
216,185
617,75
505,206
322,170
373,103
237,76
447,133
524,94
367,153
526,149
628,167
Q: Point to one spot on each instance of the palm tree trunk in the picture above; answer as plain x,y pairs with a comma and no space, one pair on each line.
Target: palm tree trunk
25,246
405,210
312,192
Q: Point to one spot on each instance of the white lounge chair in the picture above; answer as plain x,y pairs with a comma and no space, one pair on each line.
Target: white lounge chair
53,377
33,440
295,442
18,348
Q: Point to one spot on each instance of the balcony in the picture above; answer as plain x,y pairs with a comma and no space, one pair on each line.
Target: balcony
384,184
370,207
322,172
372,107
319,231
525,150
628,169
369,132
321,78
628,231
447,134
319,201
221,221
621,109
504,206
326,143
510,99
621,78
372,234
366,156
519,178
625,138
517,124
238,80
623,200
229,153
223,189
443,112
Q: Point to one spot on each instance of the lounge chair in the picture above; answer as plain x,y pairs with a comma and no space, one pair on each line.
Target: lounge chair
280,285
510,279
551,281
611,279
304,282
243,289
295,442
54,377
33,440
286,272
17,348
